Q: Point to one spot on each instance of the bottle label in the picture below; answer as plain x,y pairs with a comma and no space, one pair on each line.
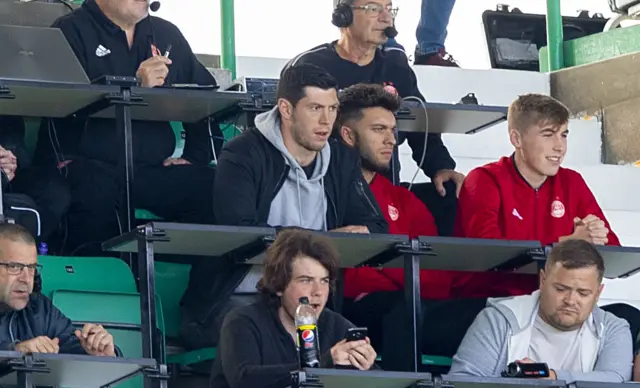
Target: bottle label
308,345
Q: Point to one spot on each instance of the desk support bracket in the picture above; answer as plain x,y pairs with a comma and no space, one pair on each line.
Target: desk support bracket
158,374
25,367
5,93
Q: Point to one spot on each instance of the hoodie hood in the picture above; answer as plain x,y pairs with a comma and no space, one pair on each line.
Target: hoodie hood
301,201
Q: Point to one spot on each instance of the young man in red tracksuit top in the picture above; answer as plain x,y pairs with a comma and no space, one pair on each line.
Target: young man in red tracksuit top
528,196
366,121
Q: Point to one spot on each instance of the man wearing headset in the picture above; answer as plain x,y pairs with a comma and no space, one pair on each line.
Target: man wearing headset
120,38
29,322
356,57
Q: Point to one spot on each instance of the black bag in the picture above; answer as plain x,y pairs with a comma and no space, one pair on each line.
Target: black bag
514,38
21,209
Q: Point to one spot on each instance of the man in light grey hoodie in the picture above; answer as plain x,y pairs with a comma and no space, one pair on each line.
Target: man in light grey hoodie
560,325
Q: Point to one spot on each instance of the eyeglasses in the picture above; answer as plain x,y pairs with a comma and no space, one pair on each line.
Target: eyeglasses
375,9
17,268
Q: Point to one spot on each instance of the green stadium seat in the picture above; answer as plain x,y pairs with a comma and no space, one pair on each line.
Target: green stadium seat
104,274
171,282
119,313
429,360
146,215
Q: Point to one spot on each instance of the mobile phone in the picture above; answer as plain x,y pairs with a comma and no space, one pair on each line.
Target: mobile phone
356,334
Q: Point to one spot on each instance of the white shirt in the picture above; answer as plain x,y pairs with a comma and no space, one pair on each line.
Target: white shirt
560,350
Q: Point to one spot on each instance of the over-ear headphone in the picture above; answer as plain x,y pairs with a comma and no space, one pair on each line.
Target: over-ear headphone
342,15
37,282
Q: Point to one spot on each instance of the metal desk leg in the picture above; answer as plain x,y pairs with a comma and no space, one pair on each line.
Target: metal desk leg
147,294
123,123
414,307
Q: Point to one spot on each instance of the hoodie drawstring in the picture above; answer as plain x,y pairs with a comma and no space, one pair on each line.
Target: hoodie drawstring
299,199
324,207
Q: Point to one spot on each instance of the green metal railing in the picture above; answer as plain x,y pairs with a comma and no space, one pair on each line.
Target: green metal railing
228,36
555,39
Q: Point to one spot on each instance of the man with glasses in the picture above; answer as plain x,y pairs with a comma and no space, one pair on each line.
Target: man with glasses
357,57
29,322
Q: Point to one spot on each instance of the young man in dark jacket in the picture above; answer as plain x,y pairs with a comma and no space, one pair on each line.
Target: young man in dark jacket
284,173
29,322
258,347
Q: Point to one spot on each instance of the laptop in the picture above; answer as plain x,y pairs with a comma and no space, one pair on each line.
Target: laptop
38,54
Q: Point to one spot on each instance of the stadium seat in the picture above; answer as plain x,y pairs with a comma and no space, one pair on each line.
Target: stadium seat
119,313
171,282
104,274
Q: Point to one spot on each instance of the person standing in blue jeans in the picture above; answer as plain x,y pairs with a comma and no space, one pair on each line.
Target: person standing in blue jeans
431,34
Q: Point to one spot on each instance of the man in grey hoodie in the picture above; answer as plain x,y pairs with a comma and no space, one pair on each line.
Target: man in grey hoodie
285,172
560,325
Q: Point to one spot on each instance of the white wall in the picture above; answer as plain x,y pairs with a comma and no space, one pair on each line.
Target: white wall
275,30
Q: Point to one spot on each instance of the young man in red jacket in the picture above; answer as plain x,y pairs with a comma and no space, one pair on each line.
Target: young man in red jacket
366,121
528,196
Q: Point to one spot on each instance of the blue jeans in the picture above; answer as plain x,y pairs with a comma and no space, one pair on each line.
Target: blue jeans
432,28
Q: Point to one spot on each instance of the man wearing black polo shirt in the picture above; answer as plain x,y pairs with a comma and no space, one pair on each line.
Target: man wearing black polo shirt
119,37
357,58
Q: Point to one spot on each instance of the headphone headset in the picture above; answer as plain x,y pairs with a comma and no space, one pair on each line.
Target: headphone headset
37,283
342,15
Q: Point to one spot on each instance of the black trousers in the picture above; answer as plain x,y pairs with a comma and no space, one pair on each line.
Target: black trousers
177,193
444,323
49,191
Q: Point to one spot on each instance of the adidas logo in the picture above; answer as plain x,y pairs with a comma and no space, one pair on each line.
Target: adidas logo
102,51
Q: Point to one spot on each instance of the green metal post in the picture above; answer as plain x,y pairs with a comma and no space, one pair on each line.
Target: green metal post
555,40
228,36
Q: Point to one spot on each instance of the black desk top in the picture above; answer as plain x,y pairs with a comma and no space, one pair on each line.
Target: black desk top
341,378
49,99
619,262
468,254
193,239
499,382
449,118
355,248
75,371
186,105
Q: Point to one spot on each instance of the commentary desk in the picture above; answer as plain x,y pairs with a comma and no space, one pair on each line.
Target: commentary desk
463,119
69,371
619,262
449,381
49,99
340,378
